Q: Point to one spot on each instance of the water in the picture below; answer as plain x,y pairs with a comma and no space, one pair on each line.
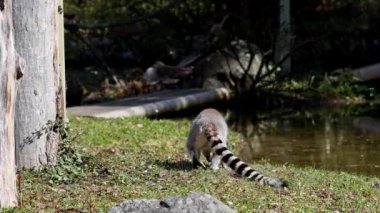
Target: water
331,138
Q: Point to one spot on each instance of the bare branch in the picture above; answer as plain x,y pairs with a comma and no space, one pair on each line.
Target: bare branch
260,78
124,21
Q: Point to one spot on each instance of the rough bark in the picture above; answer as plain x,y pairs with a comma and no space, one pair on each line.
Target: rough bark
39,92
8,191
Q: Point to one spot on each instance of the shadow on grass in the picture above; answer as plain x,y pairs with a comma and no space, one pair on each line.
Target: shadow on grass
183,165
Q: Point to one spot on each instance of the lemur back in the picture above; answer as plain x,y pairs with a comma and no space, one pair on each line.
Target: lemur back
208,136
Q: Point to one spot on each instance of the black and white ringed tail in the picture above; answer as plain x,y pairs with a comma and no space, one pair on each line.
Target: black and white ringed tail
240,167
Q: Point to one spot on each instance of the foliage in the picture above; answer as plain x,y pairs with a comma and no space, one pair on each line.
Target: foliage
116,38
350,26
345,85
343,34
137,38
141,158
8,210
342,87
70,164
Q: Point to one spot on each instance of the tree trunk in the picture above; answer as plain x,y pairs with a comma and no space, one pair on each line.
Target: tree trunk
39,98
8,191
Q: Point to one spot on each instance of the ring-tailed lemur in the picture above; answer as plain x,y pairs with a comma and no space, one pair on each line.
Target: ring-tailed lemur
208,136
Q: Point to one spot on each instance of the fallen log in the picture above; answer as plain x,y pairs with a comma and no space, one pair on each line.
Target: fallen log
153,104
367,73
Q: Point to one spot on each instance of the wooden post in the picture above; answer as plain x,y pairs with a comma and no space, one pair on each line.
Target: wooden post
61,57
283,45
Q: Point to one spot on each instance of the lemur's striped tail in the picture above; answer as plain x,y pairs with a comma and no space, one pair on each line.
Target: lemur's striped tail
241,168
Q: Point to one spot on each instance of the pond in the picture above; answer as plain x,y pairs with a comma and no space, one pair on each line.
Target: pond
332,138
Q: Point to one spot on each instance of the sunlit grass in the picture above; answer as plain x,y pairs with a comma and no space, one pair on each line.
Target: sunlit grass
142,158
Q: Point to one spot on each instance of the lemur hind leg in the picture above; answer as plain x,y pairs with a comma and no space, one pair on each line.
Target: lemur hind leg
207,155
215,161
197,164
195,160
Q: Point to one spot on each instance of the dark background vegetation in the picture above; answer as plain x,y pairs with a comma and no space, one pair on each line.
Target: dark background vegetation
108,41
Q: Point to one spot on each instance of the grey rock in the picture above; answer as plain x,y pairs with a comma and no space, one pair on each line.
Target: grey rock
191,203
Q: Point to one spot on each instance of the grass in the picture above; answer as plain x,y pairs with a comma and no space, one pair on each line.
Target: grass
140,158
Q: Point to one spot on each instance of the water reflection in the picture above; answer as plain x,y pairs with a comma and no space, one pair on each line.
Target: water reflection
341,138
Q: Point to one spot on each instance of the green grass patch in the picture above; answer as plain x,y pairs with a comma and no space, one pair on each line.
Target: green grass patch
135,158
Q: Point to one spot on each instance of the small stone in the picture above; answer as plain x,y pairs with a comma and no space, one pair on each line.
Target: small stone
193,202
375,184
